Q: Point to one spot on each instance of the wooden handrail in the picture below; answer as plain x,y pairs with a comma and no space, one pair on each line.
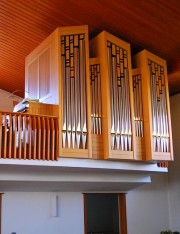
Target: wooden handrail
26,114
27,136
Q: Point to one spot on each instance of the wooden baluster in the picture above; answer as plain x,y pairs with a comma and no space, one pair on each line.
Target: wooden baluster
43,141
10,136
5,136
24,137
15,142
39,137
20,136
48,138
56,139
52,138
0,134
29,137
34,137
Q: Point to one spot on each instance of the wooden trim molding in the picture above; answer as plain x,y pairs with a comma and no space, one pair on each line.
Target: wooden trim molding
85,214
122,213
1,212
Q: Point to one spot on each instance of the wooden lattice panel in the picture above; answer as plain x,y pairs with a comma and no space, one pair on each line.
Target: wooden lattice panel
96,109
116,89
65,56
138,114
155,95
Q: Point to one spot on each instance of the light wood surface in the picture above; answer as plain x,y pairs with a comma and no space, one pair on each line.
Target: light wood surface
98,48
24,136
44,72
140,153
122,213
141,61
96,109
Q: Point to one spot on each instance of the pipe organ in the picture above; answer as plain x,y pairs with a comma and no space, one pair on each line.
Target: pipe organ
107,110
70,85
117,102
156,110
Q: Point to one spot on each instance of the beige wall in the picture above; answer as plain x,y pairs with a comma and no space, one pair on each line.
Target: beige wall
6,100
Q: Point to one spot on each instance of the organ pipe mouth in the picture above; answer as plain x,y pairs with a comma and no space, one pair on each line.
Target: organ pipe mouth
160,135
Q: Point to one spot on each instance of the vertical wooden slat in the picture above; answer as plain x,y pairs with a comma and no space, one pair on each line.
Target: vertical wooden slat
52,138
122,213
0,134
43,140
1,212
14,135
34,137
29,137
24,136
56,140
10,136
19,136
48,139
85,214
39,137
5,136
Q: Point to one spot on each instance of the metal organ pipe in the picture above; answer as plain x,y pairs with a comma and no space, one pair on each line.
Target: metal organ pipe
159,108
95,84
121,131
74,91
138,110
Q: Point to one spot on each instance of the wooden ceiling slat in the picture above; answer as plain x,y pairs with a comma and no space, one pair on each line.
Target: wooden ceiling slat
24,14
19,40
14,25
14,69
18,46
151,24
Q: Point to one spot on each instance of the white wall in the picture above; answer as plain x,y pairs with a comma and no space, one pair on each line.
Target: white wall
147,207
31,213
174,169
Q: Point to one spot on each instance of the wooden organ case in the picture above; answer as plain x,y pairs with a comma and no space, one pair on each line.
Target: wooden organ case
117,98
57,72
106,109
151,97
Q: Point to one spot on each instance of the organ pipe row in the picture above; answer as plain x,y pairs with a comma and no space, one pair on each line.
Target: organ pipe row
121,132
74,91
117,105
160,126
96,113
138,109
156,109
103,108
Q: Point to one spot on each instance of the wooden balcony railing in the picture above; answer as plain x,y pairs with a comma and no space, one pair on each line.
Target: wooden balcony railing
25,136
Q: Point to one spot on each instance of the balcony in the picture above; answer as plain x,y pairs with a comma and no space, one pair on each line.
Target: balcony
103,108
30,160
26,136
